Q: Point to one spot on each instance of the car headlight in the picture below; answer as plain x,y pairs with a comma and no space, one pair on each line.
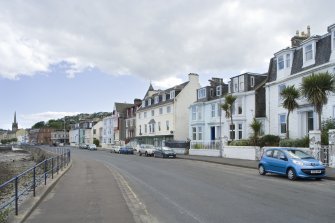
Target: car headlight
298,162
320,163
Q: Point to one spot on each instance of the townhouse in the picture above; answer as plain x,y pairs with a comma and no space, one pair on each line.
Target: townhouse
205,114
130,120
80,133
307,55
163,115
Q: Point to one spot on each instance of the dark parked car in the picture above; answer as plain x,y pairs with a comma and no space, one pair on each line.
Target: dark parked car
126,150
164,152
291,162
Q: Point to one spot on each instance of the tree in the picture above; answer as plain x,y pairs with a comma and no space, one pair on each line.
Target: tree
256,127
228,107
38,125
290,95
316,89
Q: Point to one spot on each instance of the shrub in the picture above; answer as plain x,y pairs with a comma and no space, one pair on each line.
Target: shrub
269,140
242,142
325,126
303,142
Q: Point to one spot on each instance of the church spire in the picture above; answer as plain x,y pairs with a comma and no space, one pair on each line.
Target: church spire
15,125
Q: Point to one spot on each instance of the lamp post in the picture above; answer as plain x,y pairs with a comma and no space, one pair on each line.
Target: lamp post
221,152
64,133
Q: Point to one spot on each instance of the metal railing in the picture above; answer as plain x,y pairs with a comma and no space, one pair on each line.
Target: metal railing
15,190
204,144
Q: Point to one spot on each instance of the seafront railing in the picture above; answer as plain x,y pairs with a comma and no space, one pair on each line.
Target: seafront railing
15,190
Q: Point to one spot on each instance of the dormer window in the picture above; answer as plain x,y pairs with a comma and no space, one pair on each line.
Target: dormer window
218,90
308,52
201,93
288,60
143,104
156,99
164,97
281,62
149,101
172,94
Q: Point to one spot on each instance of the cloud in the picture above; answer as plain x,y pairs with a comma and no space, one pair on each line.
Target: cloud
151,39
166,83
28,120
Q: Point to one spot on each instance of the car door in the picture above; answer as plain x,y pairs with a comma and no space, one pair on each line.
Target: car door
279,162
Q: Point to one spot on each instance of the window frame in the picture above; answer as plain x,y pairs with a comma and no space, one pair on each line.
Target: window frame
280,62
201,93
218,90
308,52
252,81
213,110
282,124
288,60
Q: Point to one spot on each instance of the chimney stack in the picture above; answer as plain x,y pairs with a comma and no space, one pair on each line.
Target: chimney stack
297,39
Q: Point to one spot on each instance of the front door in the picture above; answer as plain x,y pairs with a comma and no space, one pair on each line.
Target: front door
213,133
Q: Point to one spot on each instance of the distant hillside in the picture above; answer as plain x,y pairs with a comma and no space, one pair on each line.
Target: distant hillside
69,120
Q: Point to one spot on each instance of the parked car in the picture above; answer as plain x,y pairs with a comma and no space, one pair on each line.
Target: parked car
126,150
146,149
164,152
292,162
83,146
92,147
115,149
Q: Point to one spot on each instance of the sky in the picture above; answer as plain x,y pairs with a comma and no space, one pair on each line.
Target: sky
66,57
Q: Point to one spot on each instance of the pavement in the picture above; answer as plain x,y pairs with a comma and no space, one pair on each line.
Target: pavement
330,172
82,196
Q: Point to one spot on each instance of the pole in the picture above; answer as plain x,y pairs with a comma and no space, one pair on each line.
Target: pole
221,128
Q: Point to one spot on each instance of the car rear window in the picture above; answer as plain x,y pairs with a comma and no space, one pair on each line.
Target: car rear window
268,153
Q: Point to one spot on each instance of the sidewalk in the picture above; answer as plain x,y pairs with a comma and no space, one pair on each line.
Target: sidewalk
82,196
241,163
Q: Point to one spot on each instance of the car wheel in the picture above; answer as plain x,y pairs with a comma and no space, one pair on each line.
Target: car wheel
261,170
139,153
146,154
291,175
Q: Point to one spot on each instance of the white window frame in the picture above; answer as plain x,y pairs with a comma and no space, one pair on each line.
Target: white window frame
156,99
168,109
194,133
161,110
159,126
149,101
280,123
199,133
145,114
308,52
164,97
213,110
218,90
201,93
172,94
240,131
288,60
280,62
152,113
194,113
167,125
199,113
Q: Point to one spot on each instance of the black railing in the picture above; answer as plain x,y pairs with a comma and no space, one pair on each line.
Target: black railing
18,188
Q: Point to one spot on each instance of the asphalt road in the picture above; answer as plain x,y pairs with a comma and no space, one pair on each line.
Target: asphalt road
175,190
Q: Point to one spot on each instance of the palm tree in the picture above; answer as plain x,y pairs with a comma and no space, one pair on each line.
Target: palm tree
290,94
316,88
256,127
228,106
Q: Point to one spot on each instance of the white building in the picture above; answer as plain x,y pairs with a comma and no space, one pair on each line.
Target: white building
97,131
307,55
163,115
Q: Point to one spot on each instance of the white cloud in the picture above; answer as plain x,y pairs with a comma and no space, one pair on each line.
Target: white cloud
151,39
166,83
28,120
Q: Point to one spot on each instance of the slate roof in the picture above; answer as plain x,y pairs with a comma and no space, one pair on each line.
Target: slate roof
322,56
121,107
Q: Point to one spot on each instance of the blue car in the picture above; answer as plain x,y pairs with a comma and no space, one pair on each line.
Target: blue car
294,163
126,150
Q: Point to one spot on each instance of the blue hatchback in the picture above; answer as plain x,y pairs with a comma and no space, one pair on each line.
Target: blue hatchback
291,162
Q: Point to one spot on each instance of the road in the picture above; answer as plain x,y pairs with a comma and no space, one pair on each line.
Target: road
175,190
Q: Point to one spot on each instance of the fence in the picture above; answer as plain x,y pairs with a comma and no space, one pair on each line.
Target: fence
212,144
13,192
326,154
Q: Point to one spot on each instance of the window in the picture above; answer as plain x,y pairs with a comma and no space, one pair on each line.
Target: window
211,92
199,114
194,113
172,94
164,97
239,104
139,115
201,93
143,104
168,109
160,111
240,131
232,131
213,110
145,128
310,121
194,133
218,90
282,122
268,153
159,126
145,114
308,52
219,110
241,86
280,89
152,112
140,130
235,87
288,60
252,81
156,99
167,125
149,101
280,62
200,133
